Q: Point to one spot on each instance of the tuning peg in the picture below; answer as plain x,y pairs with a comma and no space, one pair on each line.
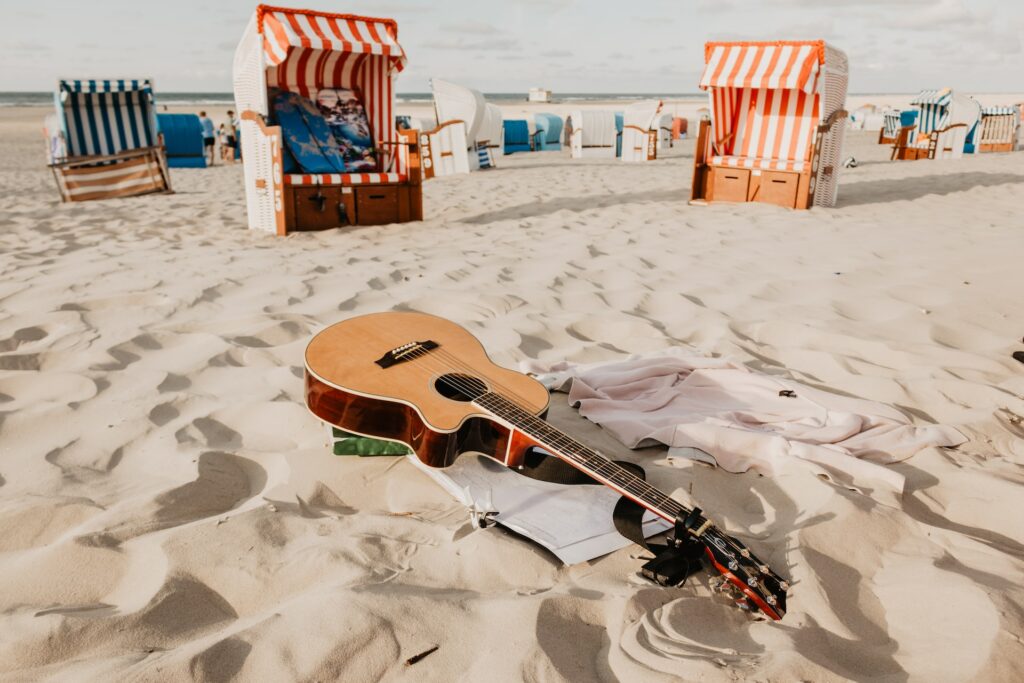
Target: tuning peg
784,585
745,553
734,565
752,582
770,599
763,568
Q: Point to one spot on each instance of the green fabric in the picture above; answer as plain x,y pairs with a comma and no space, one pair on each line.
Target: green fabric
352,444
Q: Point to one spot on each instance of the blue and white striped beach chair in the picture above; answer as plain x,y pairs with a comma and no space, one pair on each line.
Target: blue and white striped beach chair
110,142
890,127
934,108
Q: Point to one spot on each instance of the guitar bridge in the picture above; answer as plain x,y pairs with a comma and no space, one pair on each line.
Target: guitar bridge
405,352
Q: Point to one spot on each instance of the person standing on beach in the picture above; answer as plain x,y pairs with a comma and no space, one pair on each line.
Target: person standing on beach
209,136
232,132
222,137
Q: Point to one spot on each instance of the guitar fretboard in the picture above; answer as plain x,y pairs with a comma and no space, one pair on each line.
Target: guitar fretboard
582,457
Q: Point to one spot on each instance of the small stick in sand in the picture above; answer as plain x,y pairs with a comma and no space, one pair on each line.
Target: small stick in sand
415,658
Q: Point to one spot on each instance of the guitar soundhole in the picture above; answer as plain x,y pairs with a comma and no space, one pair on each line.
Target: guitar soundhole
458,387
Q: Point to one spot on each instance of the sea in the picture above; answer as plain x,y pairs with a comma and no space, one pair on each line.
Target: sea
45,99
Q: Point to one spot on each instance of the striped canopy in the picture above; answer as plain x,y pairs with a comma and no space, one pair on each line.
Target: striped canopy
106,117
782,65
766,101
306,51
998,111
284,29
940,98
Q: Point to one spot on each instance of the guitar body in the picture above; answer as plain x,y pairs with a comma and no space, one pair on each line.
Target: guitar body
406,402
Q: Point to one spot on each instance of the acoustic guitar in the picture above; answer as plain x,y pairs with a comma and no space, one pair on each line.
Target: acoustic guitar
427,383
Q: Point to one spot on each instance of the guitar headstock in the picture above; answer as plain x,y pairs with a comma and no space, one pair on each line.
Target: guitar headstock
753,583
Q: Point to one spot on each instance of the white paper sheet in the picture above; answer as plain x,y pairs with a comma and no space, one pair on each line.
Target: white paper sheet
573,522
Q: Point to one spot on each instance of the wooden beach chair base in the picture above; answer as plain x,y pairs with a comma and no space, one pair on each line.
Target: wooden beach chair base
902,150
304,202
996,147
792,189
106,176
322,207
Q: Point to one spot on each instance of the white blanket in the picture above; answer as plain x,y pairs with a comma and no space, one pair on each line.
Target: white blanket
742,418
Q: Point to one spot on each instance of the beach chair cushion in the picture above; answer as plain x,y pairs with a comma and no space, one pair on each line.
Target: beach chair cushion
343,178
346,116
306,134
762,164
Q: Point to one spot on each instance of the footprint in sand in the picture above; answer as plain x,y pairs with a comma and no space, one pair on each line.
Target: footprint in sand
284,332
581,622
222,483
22,336
697,628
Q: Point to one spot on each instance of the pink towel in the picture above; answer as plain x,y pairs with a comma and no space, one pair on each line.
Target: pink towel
741,418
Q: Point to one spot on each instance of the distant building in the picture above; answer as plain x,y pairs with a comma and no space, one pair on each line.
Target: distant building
539,95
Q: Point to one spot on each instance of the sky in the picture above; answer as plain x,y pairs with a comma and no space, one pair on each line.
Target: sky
591,46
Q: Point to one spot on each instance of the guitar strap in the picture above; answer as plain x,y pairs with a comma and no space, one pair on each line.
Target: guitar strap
673,562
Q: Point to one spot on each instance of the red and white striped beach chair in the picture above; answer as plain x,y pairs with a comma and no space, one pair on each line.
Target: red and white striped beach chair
104,141
777,123
303,51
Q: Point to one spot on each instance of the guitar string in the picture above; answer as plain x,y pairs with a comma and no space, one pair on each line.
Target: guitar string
572,449
560,439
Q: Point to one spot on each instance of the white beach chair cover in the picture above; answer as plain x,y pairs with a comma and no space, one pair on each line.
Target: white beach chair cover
455,102
56,147
663,124
491,134
448,154
593,134
962,109
642,115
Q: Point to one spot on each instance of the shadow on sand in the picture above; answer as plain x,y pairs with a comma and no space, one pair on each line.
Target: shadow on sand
577,204
881,191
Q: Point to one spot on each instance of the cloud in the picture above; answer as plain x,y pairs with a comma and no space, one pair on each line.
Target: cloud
498,44
556,53
30,47
476,28
553,4
853,3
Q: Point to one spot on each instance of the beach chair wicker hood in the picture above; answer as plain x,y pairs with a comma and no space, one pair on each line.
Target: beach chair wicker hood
776,108
304,52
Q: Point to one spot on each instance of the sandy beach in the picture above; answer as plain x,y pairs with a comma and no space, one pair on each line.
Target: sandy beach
169,510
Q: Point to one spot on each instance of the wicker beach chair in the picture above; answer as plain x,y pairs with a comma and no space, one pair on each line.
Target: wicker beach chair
640,131
663,131
1000,128
303,53
454,103
945,127
548,134
183,140
104,141
890,127
517,136
591,134
777,124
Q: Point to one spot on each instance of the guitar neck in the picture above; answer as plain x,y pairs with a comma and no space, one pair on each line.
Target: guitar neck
582,457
